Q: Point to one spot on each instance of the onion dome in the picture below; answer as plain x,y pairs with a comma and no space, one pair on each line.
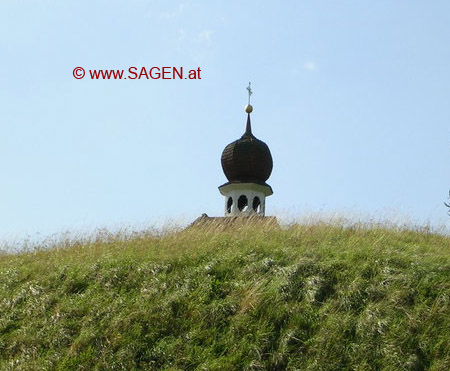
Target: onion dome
248,159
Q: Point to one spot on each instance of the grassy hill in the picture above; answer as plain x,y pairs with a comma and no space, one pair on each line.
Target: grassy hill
317,297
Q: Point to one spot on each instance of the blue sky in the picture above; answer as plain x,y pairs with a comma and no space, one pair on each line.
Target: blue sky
352,97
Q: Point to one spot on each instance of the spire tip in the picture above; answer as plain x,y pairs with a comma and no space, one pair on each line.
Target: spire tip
249,107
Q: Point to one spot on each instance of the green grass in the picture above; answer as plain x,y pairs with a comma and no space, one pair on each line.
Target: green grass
317,297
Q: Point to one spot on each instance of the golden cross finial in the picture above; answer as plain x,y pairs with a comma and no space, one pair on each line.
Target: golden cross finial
249,88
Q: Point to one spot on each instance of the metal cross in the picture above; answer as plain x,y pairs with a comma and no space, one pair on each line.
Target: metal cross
249,88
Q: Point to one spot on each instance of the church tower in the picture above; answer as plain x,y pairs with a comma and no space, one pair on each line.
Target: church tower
247,164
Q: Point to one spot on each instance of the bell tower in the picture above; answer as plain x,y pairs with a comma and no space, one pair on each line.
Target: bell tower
247,164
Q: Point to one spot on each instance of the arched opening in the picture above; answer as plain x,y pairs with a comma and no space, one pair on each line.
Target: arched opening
256,204
242,203
229,204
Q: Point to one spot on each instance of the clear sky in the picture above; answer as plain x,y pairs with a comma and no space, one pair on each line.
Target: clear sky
352,97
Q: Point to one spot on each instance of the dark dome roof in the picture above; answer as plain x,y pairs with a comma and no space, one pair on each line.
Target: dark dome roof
247,159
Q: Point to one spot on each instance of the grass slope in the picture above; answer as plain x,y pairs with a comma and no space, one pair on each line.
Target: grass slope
318,297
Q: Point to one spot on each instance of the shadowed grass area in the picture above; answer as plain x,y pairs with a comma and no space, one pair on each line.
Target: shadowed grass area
307,297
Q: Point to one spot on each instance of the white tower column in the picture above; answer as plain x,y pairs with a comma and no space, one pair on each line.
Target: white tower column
245,199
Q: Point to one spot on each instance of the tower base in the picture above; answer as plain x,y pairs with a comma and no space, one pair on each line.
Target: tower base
226,223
